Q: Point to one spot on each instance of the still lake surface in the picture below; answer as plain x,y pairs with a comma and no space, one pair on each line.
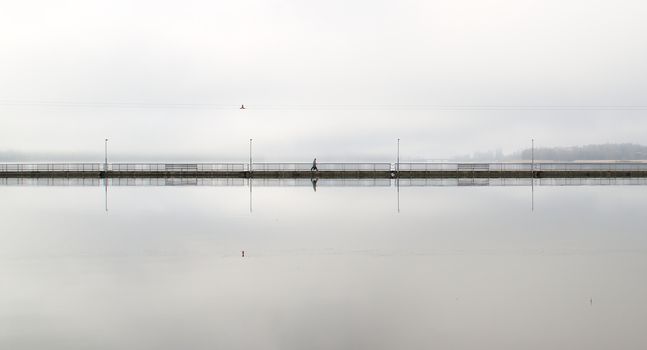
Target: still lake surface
339,268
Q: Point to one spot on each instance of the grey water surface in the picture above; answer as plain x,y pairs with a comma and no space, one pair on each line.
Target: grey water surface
342,267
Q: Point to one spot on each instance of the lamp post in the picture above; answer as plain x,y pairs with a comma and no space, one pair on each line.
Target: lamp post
397,172
105,171
532,157
250,176
532,175
397,165
250,155
105,164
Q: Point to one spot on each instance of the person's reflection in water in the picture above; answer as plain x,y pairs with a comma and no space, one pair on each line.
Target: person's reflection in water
314,183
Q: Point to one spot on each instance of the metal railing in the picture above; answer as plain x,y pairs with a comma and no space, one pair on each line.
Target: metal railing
368,167
321,166
624,166
538,166
50,167
176,167
464,166
125,167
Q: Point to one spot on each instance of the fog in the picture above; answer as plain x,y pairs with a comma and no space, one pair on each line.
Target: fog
340,80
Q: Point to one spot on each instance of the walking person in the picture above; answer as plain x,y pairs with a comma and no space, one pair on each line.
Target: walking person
314,165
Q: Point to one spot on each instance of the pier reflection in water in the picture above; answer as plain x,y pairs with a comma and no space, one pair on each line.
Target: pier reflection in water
188,181
458,267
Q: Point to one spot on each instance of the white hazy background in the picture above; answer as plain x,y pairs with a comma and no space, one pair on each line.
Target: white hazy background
162,79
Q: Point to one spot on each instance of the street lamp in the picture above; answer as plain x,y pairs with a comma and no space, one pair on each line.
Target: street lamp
532,175
105,164
397,167
532,157
250,155
397,172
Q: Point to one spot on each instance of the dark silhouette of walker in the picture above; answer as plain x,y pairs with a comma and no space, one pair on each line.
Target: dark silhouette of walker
314,165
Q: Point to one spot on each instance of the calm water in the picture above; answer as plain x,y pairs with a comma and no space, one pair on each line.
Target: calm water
339,268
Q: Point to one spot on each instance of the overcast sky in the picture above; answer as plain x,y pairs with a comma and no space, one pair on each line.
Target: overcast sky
340,80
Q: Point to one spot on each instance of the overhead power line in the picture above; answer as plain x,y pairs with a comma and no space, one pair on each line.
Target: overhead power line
314,107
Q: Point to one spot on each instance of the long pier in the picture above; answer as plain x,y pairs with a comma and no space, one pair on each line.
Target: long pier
325,170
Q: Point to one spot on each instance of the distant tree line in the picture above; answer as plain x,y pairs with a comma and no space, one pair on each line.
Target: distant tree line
609,151
620,151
